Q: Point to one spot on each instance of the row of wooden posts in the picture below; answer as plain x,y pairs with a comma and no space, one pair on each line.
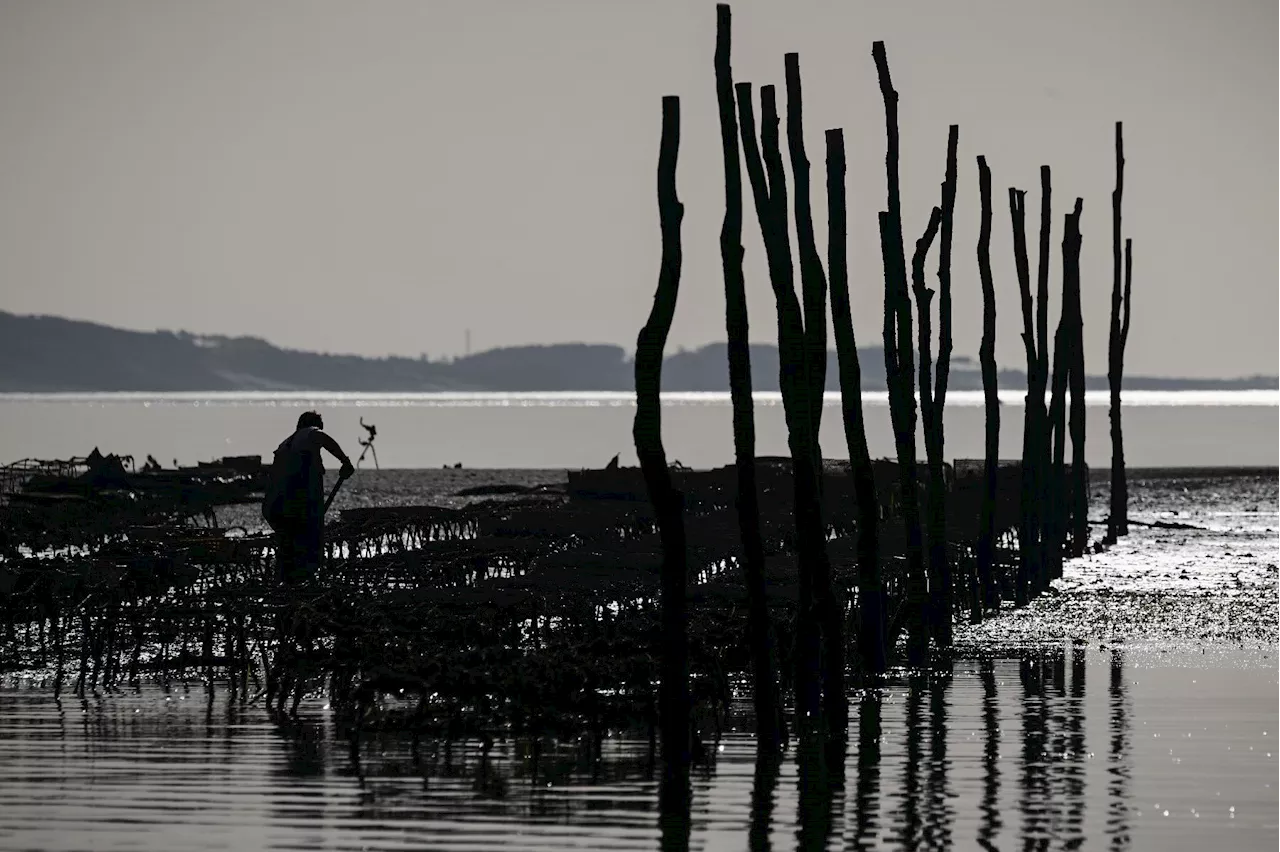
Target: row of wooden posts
820,657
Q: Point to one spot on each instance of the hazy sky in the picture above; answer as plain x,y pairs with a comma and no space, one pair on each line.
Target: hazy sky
377,177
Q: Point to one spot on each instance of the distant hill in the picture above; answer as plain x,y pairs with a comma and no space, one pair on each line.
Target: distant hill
50,354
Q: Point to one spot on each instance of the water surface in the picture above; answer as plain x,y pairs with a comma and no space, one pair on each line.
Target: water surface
575,430
1075,747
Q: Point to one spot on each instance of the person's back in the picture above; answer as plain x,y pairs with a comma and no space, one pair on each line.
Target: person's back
294,501
298,476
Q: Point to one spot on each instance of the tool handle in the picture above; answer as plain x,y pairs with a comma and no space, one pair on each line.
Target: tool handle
333,492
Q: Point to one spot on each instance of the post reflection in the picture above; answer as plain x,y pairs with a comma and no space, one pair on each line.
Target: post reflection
1118,757
820,785
1075,755
675,802
763,789
990,825
1034,793
940,815
1032,796
867,789
908,815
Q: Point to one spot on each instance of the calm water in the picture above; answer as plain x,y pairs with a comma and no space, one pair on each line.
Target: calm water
1076,748
1166,740
1163,429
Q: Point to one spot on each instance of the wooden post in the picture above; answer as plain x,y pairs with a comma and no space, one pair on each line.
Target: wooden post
899,370
813,280
768,184
1079,470
924,296
1032,428
1056,502
872,604
1043,444
987,359
1118,520
827,603
647,432
934,433
770,728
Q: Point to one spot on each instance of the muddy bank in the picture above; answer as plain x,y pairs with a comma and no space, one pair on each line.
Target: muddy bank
1208,580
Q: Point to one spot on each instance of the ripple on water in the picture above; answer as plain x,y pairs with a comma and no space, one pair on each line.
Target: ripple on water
1068,743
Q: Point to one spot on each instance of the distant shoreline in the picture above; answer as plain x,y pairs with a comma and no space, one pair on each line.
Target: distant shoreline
55,355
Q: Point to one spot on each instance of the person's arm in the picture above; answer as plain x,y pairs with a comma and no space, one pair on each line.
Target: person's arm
327,442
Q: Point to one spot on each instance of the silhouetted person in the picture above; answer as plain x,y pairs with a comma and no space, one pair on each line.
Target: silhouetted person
294,502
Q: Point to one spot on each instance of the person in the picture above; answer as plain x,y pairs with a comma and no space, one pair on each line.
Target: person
294,500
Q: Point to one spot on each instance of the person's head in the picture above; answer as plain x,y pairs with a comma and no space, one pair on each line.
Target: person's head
308,419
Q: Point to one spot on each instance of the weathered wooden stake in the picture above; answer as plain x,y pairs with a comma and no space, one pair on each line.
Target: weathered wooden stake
770,728
872,603
899,371
647,431
1079,470
768,184
987,360
939,561
1033,426
1043,445
827,604
1057,501
1118,521
924,296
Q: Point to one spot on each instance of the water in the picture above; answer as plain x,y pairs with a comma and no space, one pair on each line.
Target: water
1079,747
573,430
1140,713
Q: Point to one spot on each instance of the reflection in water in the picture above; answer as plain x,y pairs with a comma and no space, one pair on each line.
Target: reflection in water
763,788
1073,767
924,766
990,825
820,770
908,816
1035,790
867,792
297,800
1118,757
675,801
939,817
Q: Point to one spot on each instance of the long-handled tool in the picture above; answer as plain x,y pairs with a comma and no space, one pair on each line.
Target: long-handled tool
333,492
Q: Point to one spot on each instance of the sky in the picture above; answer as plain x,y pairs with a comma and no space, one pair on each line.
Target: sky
381,177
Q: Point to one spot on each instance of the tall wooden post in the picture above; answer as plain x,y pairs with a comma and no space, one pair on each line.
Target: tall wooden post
924,297
899,369
987,360
768,184
770,728
1044,432
1118,520
1032,427
1056,501
1079,470
647,431
828,603
942,587
872,604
